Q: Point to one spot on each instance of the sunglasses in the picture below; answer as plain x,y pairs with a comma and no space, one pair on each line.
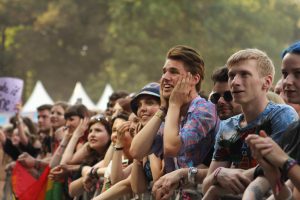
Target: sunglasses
214,98
99,118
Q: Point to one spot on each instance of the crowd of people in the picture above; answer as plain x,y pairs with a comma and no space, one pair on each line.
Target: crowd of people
168,141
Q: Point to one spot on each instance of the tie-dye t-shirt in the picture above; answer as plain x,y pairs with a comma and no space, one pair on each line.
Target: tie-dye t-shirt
230,142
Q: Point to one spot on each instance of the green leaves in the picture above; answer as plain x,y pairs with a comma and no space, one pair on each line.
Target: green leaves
125,42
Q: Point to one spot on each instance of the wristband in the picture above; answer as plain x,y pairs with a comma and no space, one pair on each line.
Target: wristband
118,148
160,114
258,172
287,166
93,173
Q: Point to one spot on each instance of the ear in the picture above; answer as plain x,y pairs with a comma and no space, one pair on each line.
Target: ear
196,79
268,80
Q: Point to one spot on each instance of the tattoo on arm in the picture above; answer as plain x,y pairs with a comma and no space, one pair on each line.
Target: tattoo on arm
258,194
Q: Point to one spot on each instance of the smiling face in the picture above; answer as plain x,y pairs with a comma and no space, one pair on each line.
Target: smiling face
147,107
57,116
291,77
172,71
245,82
98,137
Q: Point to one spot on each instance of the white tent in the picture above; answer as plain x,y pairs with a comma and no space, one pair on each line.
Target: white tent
102,103
38,97
80,96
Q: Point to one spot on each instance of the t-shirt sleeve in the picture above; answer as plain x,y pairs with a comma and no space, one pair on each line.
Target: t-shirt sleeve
281,121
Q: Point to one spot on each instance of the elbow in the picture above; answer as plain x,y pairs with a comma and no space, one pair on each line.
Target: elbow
72,192
115,179
134,153
170,151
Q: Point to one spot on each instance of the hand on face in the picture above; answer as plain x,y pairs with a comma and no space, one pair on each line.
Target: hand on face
182,92
82,127
121,131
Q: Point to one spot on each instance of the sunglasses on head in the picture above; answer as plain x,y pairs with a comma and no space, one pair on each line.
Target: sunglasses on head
214,98
99,118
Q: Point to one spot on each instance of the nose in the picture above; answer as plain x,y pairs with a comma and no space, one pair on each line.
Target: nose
288,80
143,107
235,80
165,76
68,123
221,100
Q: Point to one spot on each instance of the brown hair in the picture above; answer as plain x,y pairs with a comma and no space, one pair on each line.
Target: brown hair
192,60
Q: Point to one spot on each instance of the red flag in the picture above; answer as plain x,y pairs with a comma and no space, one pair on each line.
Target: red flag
21,179
32,190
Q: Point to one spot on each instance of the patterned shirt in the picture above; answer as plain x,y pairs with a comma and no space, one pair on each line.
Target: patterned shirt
197,132
230,142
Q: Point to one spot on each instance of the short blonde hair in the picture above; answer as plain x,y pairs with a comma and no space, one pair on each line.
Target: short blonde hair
272,96
265,65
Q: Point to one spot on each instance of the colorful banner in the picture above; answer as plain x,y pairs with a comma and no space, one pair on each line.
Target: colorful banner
10,93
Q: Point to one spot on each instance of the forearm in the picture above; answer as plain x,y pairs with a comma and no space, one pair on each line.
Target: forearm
256,189
142,142
294,176
23,137
116,167
55,160
108,156
76,187
172,142
40,164
116,191
68,153
156,167
208,182
138,179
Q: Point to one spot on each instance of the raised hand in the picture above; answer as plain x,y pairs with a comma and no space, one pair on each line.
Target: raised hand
181,93
121,133
82,127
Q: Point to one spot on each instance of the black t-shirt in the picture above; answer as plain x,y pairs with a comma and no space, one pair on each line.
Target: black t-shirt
14,151
290,141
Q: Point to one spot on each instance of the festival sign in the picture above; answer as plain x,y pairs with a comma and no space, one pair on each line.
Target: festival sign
10,93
